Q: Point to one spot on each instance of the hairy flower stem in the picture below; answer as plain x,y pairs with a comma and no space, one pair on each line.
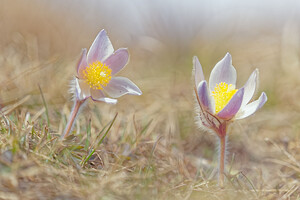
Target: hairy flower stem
74,112
222,160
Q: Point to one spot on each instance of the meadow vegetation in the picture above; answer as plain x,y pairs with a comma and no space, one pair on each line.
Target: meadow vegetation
149,146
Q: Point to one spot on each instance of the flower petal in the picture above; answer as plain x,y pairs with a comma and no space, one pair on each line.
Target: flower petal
250,87
98,95
82,63
232,106
82,89
223,72
100,49
252,107
117,60
119,86
199,76
204,97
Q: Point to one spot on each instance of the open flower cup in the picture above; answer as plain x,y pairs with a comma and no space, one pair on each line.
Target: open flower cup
96,78
96,70
221,103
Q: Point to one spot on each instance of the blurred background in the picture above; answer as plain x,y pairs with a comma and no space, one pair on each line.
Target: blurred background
160,36
41,41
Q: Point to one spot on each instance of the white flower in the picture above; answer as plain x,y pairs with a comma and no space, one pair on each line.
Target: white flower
220,101
96,69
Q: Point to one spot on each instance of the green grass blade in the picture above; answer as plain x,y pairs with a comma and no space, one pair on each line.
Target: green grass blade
45,105
88,137
112,122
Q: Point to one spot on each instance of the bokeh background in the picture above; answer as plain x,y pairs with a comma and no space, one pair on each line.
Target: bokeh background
40,43
258,34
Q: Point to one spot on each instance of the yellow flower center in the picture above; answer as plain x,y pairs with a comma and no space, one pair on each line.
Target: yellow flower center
97,75
222,95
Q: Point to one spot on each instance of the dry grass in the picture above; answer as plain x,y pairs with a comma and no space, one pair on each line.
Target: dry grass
153,149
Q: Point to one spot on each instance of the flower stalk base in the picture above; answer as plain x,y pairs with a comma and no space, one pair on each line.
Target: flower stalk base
222,160
74,113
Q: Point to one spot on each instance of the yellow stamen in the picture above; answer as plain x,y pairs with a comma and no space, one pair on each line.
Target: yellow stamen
222,95
97,75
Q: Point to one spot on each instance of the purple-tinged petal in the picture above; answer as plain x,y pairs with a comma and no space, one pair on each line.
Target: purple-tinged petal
119,86
117,60
100,49
252,107
250,87
232,106
82,63
204,97
199,76
76,87
108,100
82,89
98,95
223,72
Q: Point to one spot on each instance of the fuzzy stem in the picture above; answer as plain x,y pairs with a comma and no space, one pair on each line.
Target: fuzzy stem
222,160
74,112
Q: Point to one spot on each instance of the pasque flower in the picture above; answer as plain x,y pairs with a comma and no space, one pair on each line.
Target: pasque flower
221,103
95,76
96,70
